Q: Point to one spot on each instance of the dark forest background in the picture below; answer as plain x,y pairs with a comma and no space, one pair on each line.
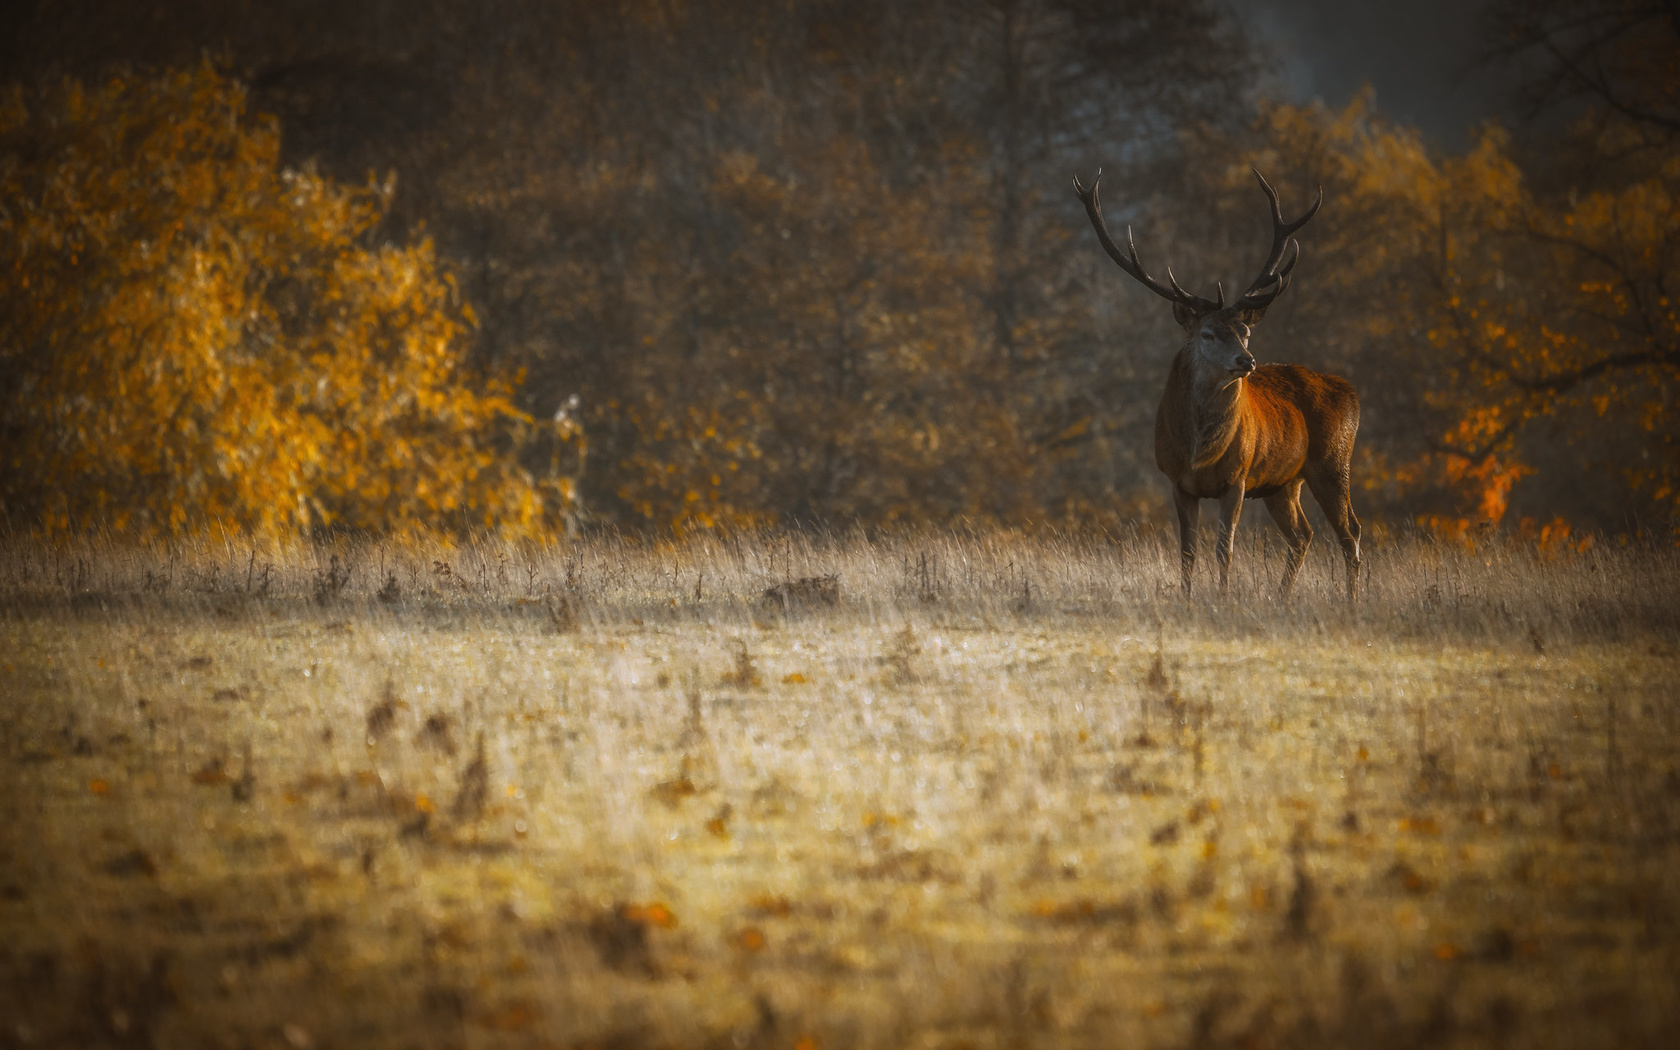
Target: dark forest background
532,265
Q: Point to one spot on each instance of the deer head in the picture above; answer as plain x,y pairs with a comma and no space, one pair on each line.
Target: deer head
1218,332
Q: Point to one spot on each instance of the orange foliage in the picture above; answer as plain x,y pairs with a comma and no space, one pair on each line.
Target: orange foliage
1554,537
201,339
1481,310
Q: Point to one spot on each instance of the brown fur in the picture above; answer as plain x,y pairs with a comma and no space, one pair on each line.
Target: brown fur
1259,437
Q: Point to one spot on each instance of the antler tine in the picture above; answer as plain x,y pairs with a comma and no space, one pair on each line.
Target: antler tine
1261,297
1271,195
1128,260
1277,207
1191,297
1285,253
1131,249
1218,286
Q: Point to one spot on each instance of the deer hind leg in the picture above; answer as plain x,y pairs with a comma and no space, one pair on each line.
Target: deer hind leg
1333,492
1230,510
1285,506
1189,517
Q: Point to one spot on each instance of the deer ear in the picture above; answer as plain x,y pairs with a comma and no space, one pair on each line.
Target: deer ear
1252,317
1185,316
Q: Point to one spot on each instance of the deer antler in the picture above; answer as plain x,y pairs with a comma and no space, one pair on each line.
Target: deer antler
1129,261
1286,251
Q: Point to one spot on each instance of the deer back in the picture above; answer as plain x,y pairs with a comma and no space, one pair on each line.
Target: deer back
1324,408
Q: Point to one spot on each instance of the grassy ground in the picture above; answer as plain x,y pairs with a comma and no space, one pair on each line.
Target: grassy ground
1002,791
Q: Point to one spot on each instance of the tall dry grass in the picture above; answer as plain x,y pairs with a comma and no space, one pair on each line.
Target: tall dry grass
1412,587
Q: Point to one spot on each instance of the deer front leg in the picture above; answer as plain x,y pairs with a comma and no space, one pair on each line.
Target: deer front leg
1189,517
1230,509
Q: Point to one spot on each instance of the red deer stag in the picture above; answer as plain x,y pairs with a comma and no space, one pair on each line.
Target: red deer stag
1231,430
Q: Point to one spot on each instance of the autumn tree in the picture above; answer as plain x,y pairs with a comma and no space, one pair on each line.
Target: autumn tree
1509,342
1600,146
772,244
197,337
823,253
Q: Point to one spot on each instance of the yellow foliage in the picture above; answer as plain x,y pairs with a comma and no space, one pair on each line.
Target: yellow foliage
199,339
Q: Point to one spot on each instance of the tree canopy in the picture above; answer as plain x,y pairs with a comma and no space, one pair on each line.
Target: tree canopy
795,262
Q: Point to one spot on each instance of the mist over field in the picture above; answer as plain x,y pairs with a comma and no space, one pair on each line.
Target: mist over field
651,524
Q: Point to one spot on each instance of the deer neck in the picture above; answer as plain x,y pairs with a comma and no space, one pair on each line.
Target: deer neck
1212,410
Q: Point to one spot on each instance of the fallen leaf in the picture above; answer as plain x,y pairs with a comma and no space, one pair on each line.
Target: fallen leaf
671,792
513,1018
650,915
212,774
719,824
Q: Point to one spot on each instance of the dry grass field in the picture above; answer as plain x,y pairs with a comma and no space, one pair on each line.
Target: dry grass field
980,790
